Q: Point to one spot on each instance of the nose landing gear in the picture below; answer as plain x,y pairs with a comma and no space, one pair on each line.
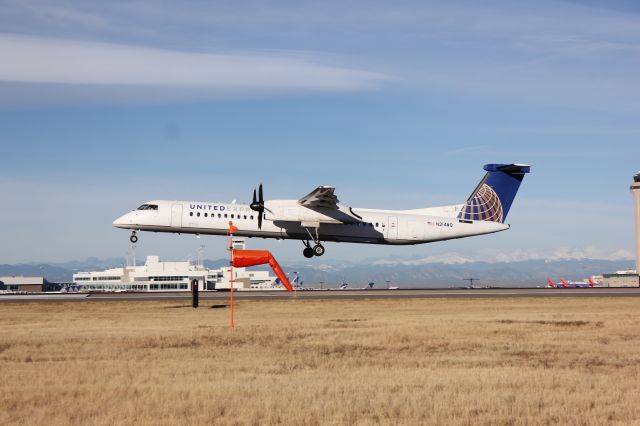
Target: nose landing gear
133,238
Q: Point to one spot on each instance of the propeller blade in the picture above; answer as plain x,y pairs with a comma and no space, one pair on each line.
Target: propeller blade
258,204
255,205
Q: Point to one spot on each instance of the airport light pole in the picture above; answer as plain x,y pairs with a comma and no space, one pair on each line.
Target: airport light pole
635,191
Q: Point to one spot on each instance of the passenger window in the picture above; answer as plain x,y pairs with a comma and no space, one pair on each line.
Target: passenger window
198,214
225,215
219,215
251,217
232,216
245,216
377,224
190,213
206,215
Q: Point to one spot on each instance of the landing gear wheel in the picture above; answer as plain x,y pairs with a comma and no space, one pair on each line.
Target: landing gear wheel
133,238
308,252
318,249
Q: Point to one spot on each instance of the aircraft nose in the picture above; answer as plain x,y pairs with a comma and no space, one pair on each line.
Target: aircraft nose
123,221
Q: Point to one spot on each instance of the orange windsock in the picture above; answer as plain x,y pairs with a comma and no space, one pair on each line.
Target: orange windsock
244,258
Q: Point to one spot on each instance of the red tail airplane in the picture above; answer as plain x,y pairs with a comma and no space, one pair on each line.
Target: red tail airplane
563,284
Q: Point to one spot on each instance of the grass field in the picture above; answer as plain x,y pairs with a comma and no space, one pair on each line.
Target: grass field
429,361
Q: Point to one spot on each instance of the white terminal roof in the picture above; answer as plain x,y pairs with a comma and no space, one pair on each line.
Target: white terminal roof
153,267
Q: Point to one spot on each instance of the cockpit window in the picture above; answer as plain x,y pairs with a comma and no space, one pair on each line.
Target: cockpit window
148,207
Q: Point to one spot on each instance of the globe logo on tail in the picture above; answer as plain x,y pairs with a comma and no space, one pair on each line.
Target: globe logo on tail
483,205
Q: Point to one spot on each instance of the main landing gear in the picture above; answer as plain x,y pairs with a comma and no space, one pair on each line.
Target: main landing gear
133,238
316,250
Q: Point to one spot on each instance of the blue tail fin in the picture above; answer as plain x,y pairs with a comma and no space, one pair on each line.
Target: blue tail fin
492,198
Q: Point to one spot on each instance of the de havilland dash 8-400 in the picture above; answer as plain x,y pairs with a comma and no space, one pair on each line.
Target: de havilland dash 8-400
317,217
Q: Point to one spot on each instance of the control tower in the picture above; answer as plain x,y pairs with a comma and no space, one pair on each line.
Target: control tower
635,191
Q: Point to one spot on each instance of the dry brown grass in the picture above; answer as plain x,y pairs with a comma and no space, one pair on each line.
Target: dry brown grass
506,361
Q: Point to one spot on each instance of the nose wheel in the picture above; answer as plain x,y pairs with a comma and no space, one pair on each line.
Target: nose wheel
133,238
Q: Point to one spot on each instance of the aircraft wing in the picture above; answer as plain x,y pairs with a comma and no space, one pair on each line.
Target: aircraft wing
322,196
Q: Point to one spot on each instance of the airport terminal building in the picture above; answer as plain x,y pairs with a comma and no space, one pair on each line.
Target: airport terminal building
621,279
155,275
23,284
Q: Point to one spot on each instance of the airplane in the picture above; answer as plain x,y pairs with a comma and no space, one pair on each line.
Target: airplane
296,282
572,284
368,286
391,287
317,217
563,284
343,286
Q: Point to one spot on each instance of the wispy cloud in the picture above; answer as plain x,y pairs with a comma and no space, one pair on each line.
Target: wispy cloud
37,60
548,53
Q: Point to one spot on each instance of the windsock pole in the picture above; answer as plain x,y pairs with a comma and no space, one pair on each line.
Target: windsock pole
231,229
231,275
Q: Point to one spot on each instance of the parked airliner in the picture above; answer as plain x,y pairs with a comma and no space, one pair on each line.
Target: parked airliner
318,217
571,284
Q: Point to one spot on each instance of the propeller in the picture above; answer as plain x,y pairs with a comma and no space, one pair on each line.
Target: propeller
258,205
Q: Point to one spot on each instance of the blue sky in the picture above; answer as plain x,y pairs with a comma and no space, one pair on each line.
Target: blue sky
104,105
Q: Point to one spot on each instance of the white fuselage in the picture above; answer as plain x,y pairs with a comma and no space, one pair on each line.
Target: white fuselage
353,225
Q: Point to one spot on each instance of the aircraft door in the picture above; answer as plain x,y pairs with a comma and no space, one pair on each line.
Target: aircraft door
392,230
176,216
416,230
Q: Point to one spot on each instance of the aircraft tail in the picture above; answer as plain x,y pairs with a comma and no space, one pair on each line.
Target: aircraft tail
551,283
564,283
591,283
492,198
296,280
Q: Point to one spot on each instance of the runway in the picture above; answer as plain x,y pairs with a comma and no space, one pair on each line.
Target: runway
330,294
